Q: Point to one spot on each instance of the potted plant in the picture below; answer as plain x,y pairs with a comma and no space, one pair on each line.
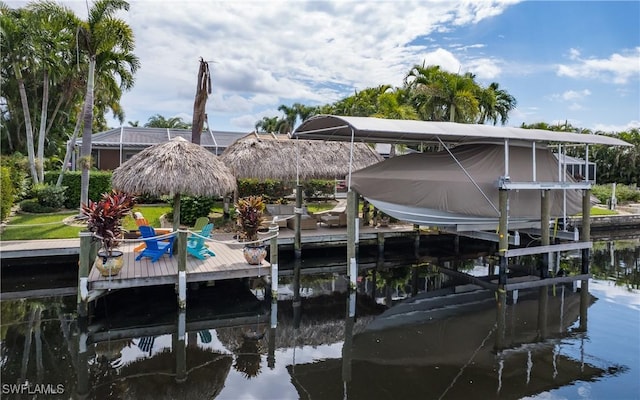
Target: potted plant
249,218
104,219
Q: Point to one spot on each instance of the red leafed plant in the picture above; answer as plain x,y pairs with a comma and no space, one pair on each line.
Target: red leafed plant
250,216
104,217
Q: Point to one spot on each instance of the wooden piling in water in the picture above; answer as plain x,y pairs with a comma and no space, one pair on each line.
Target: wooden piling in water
273,258
84,266
182,269
545,216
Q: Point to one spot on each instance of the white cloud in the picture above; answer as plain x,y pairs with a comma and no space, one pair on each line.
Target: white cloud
570,95
618,68
635,124
483,68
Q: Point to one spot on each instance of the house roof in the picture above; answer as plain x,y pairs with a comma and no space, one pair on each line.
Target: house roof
141,137
368,129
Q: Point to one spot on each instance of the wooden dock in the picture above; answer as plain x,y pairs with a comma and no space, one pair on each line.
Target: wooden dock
228,263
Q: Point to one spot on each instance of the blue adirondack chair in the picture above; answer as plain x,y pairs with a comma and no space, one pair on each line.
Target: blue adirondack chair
196,244
156,248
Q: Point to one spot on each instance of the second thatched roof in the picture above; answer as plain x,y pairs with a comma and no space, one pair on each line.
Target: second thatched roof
174,167
269,156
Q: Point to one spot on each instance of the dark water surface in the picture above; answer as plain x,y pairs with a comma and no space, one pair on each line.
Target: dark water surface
405,334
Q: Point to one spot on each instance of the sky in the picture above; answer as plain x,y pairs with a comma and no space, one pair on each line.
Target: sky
574,61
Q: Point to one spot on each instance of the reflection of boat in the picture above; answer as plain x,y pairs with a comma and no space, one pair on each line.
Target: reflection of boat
447,352
433,189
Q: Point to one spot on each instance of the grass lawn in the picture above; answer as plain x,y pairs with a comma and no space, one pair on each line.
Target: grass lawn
51,226
40,226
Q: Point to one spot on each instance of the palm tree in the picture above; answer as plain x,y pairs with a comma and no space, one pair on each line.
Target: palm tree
458,94
289,120
495,103
158,121
267,124
108,43
53,30
16,34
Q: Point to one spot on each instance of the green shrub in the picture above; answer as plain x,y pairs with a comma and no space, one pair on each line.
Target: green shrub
192,208
318,188
624,193
6,192
49,195
271,190
33,206
18,172
99,182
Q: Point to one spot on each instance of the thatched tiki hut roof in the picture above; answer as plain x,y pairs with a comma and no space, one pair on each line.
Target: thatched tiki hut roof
174,168
268,156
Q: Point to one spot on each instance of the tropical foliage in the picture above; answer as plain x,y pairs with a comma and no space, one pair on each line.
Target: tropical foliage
104,217
61,74
250,215
614,164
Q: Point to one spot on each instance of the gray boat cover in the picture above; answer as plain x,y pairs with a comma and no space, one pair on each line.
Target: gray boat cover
435,181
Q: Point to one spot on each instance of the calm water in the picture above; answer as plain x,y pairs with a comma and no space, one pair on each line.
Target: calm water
391,340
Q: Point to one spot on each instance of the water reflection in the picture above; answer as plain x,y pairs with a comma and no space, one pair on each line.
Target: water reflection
404,333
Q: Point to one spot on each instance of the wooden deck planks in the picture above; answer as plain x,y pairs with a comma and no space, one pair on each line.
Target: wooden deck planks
228,263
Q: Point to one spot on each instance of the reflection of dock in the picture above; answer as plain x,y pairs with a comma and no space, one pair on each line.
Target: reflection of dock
228,263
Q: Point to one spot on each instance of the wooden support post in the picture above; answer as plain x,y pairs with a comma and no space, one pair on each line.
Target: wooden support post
348,341
501,318
181,348
414,280
84,266
273,258
297,304
351,230
225,207
585,237
271,352
545,216
182,269
82,367
380,236
503,236
176,213
416,241
297,241
543,305
501,293
586,228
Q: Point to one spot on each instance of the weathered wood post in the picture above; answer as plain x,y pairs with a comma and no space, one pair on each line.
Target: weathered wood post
297,241
352,265
414,279
380,236
348,343
273,259
181,347
501,294
586,237
543,311
297,303
84,266
82,368
545,216
271,353
182,269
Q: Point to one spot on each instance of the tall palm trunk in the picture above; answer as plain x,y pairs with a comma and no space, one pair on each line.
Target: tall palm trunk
452,116
85,152
70,146
27,123
43,125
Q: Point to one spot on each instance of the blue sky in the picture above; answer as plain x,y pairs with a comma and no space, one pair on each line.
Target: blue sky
577,61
